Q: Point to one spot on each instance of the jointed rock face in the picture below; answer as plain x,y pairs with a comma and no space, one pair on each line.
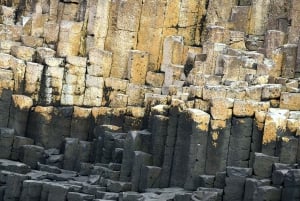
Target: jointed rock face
136,100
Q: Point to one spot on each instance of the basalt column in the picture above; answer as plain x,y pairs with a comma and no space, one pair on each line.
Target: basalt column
190,148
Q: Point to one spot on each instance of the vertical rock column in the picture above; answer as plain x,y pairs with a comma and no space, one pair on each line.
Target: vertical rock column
52,79
48,126
94,91
297,72
289,61
235,183
273,39
259,17
99,63
74,83
137,67
39,125
60,126
159,135
174,111
191,139
139,141
6,142
275,126
122,33
19,112
33,80
217,146
257,134
152,15
69,38
18,67
76,151
99,66
172,47
6,89
80,123
294,28
97,23
240,142
231,67
211,50
190,13
197,147
215,15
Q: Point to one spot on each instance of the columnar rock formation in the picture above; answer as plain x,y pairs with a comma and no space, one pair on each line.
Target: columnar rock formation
149,100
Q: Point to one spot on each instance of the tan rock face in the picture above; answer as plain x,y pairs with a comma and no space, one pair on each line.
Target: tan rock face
275,124
290,101
138,67
24,53
69,37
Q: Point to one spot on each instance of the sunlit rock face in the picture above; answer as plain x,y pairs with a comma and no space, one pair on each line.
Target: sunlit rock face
132,100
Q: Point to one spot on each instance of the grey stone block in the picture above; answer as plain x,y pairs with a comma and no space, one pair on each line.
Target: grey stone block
114,166
234,189
150,177
251,186
106,173
76,151
238,172
263,165
206,181
290,194
79,196
135,141
110,142
292,178
117,155
282,166
2,192
118,186
204,195
5,103
199,122
14,166
240,141
140,159
278,177
217,149
220,180
169,147
6,142
267,193
183,197
217,190
288,147
31,155
159,135
130,196
54,192
48,168
18,142
14,183
31,190
107,195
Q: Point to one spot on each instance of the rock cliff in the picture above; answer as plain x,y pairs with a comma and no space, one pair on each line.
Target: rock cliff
149,100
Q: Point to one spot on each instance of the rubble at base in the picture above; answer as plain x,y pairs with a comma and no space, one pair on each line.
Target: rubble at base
159,100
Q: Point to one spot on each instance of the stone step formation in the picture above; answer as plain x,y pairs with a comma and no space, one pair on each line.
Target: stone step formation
149,100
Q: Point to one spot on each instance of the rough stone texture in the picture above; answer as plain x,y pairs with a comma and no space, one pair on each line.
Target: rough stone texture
19,111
